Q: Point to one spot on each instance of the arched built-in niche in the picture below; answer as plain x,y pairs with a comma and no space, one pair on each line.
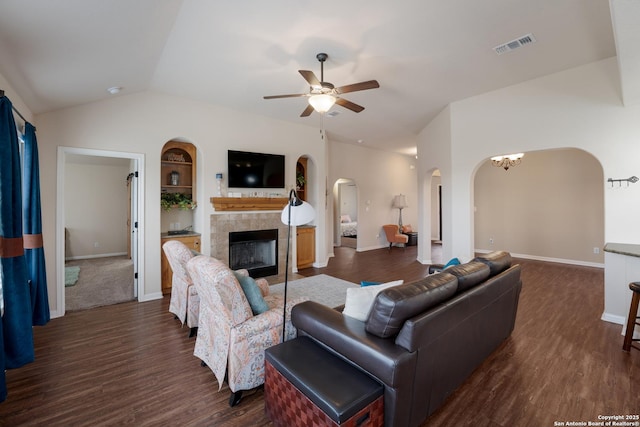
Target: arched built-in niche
306,187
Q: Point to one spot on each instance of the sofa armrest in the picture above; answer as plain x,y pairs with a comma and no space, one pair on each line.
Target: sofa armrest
346,336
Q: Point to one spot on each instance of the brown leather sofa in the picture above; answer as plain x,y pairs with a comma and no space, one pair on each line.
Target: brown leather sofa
422,339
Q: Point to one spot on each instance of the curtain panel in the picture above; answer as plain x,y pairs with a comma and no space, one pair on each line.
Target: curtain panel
16,326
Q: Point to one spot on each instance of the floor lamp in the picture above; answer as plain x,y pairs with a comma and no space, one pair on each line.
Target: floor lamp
400,202
296,212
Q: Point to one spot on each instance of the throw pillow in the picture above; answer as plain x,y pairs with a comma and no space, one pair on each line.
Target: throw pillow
359,300
365,283
345,218
252,292
452,262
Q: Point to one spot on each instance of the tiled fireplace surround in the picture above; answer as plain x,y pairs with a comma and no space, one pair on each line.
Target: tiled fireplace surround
223,223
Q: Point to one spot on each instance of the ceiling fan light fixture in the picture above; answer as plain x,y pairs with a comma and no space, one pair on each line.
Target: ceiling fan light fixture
322,102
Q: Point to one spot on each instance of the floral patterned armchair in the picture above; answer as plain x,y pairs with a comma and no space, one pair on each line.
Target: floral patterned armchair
231,340
185,302
184,298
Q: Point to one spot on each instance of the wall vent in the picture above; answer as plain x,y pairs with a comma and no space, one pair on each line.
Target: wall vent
515,44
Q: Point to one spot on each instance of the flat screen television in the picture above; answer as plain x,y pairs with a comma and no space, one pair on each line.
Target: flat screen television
255,170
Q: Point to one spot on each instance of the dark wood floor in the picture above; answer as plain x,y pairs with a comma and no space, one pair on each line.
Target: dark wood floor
132,364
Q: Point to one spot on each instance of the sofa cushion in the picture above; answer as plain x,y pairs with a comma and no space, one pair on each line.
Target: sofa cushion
469,274
395,305
451,263
359,300
367,283
252,293
497,261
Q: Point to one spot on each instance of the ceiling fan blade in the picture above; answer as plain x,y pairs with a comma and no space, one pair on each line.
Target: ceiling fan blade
310,77
350,105
294,95
307,111
371,84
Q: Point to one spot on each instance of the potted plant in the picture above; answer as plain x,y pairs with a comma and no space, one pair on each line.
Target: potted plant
180,200
300,181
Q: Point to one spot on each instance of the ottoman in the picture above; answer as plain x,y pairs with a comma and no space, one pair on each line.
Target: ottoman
306,385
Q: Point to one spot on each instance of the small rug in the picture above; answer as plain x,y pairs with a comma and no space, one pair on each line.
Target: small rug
71,275
324,289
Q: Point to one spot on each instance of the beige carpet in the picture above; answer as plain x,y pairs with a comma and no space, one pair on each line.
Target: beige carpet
102,281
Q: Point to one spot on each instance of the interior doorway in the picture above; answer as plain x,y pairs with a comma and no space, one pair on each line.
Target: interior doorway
346,213
98,209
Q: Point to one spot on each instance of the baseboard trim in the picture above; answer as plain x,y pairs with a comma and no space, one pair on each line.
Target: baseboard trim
547,259
371,248
620,320
74,258
613,318
150,297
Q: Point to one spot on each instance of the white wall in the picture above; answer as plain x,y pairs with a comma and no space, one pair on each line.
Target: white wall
579,108
549,207
17,102
434,153
143,123
379,175
96,205
348,201
435,204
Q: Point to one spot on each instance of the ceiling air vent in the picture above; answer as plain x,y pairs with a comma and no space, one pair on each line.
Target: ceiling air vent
515,44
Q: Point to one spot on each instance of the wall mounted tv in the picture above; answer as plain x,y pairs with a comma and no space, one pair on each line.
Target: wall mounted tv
255,170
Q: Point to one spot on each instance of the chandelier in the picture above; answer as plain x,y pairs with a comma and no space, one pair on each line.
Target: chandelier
507,161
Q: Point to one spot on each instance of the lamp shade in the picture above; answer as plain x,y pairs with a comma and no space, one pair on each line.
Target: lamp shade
322,102
399,201
300,214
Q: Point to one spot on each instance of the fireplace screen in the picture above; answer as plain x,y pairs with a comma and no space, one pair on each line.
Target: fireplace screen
256,251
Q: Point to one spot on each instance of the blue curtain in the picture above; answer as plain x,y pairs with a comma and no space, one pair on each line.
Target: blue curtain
32,221
16,326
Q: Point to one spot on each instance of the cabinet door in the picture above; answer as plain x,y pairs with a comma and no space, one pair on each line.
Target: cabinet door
306,246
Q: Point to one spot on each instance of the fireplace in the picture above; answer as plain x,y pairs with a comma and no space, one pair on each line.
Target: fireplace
255,250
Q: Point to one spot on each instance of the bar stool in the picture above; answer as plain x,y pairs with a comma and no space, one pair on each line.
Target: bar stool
632,321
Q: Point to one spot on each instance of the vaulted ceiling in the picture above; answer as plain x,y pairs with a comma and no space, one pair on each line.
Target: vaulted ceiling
424,53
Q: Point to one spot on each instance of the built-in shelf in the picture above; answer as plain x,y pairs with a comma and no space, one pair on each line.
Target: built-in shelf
248,203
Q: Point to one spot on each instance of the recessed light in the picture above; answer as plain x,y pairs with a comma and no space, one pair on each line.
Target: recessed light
360,141
114,90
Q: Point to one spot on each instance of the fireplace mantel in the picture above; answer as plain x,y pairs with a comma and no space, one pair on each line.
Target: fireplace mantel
248,203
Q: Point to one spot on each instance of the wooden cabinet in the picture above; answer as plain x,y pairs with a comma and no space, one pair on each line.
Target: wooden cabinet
178,169
191,241
306,246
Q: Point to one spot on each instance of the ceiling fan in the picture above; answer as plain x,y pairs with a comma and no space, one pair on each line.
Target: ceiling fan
322,95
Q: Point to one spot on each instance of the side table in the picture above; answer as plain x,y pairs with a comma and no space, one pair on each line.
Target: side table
413,238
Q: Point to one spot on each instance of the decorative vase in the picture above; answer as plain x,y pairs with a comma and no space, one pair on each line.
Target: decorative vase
175,178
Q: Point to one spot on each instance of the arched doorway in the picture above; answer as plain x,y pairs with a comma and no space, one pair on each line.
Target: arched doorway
345,192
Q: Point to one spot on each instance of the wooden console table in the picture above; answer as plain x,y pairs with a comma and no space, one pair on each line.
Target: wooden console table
248,203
